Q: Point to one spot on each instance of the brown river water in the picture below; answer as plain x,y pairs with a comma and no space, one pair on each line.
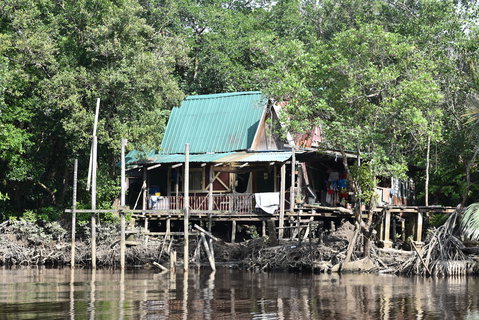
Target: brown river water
39,293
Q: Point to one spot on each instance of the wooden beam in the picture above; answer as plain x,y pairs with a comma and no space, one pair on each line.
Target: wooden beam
203,164
176,165
243,165
154,167
218,164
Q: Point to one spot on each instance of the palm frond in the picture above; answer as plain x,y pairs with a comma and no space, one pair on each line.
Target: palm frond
470,222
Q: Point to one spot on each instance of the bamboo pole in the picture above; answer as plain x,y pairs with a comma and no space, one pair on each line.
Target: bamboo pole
74,208
123,204
293,180
93,203
90,164
281,200
186,207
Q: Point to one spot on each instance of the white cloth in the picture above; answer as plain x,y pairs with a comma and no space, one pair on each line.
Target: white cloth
159,203
267,201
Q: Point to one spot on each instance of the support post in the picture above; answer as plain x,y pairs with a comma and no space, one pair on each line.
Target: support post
282,200
177,189
172,260
419,229
144,205
387,228
210,189
168,183
293,181
187,207
233,231
168,227
122,205
263,228
93,203
74,208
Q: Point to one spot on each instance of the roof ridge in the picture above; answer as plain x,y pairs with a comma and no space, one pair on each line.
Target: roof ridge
222,95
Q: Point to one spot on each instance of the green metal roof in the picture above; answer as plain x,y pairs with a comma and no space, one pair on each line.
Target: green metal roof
214,123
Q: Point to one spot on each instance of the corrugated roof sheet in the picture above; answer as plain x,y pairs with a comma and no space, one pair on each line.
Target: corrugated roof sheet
214,123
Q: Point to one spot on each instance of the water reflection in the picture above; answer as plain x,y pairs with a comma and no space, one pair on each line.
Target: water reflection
230,294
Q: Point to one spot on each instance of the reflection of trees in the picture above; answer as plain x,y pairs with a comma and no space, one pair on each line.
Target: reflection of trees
233,294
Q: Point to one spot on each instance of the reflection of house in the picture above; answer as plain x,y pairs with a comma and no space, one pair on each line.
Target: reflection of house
240,167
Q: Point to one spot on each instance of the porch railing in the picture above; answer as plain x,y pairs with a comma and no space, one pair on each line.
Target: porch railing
232,203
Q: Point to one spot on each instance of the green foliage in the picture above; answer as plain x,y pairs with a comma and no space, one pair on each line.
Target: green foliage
366,181
438,219
379,77
470,222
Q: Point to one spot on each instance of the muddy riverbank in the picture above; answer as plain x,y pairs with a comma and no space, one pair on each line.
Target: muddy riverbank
30,244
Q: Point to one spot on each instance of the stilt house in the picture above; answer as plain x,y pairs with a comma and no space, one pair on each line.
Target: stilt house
242,169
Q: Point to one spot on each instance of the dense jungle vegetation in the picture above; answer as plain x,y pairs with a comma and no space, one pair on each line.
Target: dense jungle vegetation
395,79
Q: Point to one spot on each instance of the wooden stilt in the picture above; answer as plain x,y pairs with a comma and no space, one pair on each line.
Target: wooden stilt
93,204
233,231
144,205
387,229
275,173
210,222
282,200
177,189
187,207
293,181
168,182
210,255
210,188
419,222
172,260
168,227
122,205
74,208
263,228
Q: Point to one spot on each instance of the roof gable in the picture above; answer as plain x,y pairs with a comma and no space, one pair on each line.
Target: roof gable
214,123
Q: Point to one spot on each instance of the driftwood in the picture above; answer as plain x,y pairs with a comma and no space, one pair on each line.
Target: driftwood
442,255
